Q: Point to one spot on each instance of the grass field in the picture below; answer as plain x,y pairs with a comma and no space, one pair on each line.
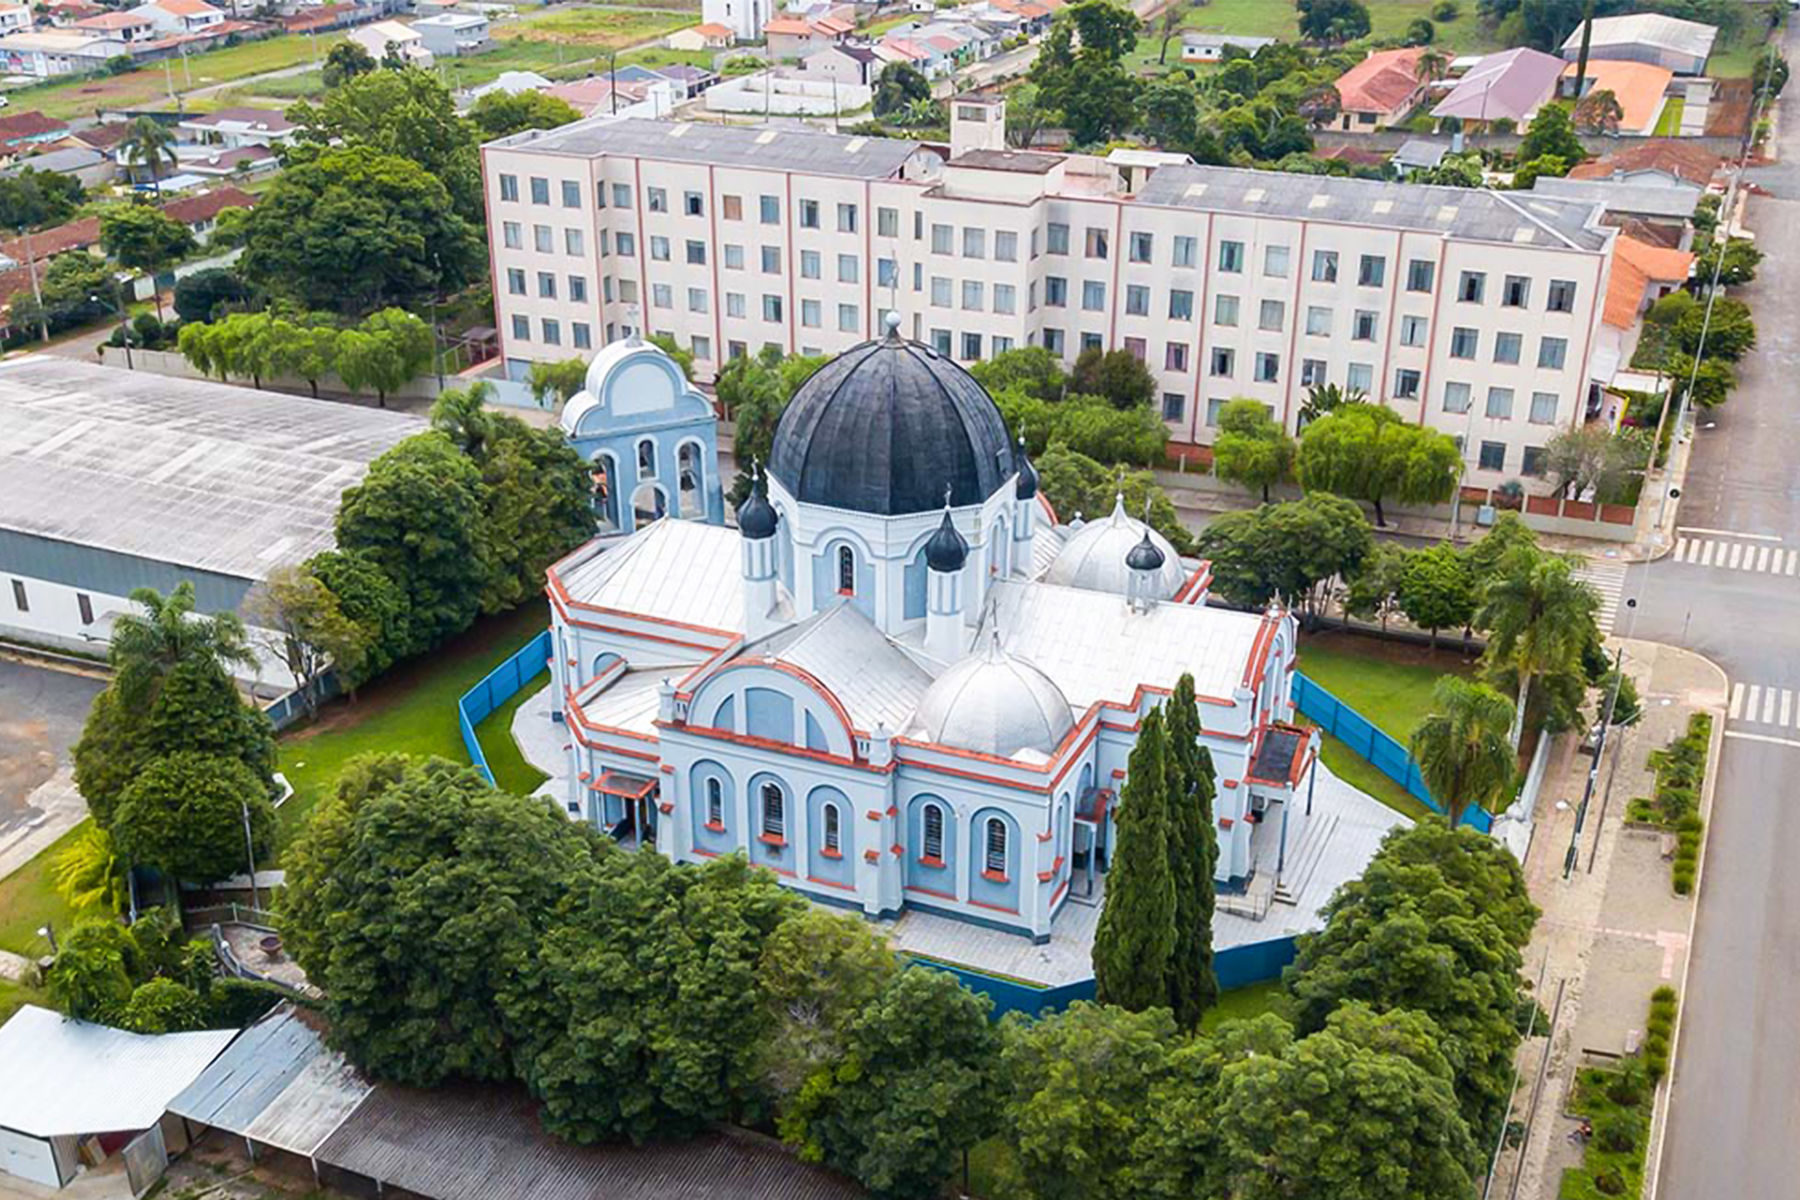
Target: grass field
662,56
149,87
511,772
600,27
1668,122
1388,18
1735,58
14,996
411,709
28,900
553,59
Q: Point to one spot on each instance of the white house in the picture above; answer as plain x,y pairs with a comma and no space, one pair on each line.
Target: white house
380,38
14,18
744,18
236,127
450,34
180,16
49,53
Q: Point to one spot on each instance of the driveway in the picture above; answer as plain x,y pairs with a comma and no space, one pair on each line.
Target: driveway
41,714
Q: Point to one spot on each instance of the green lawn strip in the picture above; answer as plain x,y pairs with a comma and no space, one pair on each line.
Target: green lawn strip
1668,122
28,900
150,85
1251,1000
411,710
1736,58
511,772
600,27
1608,1172
1394,696
14,996
1364,776
1387,18
556,60
662,56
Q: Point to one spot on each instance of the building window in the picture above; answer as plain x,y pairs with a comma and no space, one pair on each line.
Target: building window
1543,408
509,187
515,281
1515,292
734,304
1231,258
1406,384
1184,251
1534,462
1143,247
887,222
942,237
85,604
1456,397
849,268
1412,331
974,242
1091,340
1093,295
1318,321
693,204
731,207
809,264
659,248
578,289
849,318
1464,342
1056,291
1360,377
1137,347
940,341
1421,273
1174,405
546,286
696,253
1223,360
1096,242
1053,341
833,831
1225,310
540,190
1506,348
1215,408
809,214
846,570
769,210
521,328
697,300
510,234
1493,456
1371,270
1362,326
940,291
1562,296
702,349
662,295
1275,261
1268,368
810,314
1006,246
995,860
1499,404
774,816
1056,238
1553,353
971,346
1006,298
972,295
658,199
1271,316
1324,266
933,821
1175,357
771,309
621,196
1137,300
1181,305
846,214
552,331
715,803
1472,288
583,335
1312,372
627,244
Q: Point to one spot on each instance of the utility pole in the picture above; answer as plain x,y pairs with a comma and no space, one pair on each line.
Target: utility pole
36,292
437,345
249,854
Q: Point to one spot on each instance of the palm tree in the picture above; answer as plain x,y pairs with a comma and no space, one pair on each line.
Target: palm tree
90,873
1462,747
1432,65
1323,398
459,414
1539,619
149,144
168,631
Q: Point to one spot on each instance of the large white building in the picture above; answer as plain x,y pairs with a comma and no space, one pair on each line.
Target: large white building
1472,310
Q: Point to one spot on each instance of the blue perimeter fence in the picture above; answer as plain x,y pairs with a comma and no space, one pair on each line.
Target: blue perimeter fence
495,689
1236,967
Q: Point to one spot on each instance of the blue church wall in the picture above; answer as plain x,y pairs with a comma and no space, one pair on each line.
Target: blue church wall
825,865
915,588
825,575
938,879
725,715
726,836
767,849
815,734
769,714
985,888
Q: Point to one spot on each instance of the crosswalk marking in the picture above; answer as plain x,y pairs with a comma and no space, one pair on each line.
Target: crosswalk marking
1737,556
1763,704
1608,581
1737,701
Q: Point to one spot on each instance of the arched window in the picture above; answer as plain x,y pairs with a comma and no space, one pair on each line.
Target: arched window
690,500
715,802
934,833
832,831
774,823
646,459
846,571
996,846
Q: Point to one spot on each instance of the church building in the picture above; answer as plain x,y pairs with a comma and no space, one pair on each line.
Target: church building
902,682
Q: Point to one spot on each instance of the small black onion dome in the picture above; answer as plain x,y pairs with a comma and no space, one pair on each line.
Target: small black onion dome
1027,486
756,516
947,550
1145,556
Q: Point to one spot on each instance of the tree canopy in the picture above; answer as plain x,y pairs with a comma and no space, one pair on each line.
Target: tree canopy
405,112
1287,550
1136,936
501,114
1251,448
1368,452
195,817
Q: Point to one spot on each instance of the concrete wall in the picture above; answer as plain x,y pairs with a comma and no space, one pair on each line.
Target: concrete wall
170,362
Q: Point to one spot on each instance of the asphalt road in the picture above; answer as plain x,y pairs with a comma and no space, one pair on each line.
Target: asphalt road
1734,1126
41,713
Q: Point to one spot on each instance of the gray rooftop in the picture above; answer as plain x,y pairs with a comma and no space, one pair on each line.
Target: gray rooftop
1470,214
1674,201
1418,152
201,475
770,148
75,158
1648,29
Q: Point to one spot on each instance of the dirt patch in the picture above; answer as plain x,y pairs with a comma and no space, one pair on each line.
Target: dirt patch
1728,114
1446,658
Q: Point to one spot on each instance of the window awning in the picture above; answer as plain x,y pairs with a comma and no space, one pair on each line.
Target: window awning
623,783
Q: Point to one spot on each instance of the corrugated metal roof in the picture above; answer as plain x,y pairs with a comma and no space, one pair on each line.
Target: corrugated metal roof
61,1078
870,676
1648,29
484,1143
180,471
677,570
775,149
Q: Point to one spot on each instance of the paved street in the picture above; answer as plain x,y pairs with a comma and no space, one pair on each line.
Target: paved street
1730,594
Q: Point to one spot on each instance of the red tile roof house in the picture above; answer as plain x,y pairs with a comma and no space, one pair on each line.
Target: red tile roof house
28,128
1380,91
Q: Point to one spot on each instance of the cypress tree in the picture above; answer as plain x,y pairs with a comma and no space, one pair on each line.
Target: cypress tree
1136,935
1193,855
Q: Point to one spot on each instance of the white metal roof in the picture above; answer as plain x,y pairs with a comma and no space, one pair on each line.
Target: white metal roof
182,471
1648,29
871,677
678,570
61,1078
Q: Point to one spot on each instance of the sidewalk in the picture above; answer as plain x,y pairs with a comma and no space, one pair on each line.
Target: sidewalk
1613,930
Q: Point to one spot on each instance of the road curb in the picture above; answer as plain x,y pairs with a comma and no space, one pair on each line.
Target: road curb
1659,1116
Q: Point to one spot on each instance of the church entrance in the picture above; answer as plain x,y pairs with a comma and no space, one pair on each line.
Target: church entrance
629,802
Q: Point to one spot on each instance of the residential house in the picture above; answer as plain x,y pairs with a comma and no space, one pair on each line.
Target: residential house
843,63
381,38
450,34
511,83
21,130
100,137
1664,159
1418,154
131,28
1380,91
200,213
709,36
234,127
231,164
690,79
66,12
793,38
1641,89
1679,45
1641,275
180,16
92,168
1652,208
1508,86
14,18
48,54
1211,47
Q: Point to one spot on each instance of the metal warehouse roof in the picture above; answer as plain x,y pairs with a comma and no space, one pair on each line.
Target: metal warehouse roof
1648,29
61,1078
1473,214
770,148
475,1142
201,475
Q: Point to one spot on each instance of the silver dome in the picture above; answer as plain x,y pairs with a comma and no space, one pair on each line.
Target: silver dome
993,703
1094,557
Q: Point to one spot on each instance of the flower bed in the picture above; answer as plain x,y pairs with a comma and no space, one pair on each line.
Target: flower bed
1618,1102
1680,776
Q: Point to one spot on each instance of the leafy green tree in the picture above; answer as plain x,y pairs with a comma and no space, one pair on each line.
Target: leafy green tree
90,874
502,114
1547,166
1252,449
819,971
408,113
1325,398
386,352
1333,21
1118,375
164,1006
149,146
1374,589
344,62
1171,109
30,198
1461,747
1136,935
1598,112
1507,534
205,294
1193,858
1461,170
1077,485
1706,387
371,601
755,391
537,507
1592,456
1369,452
899,85
1552,133
1079,72
1027,116
143,238
1437,589
433,902
185,814
913,1091
1539,618
1362,1109
1321,106
1730,334
668,345
353,230
88,981
560,380
1073,1101
307,629
1088,425
1770,74
1290,550
1031,370
310,862
417,515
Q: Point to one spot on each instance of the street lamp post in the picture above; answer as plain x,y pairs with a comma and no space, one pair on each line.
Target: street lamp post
249,854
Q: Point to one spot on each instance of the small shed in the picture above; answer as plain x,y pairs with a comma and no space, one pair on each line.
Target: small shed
65,1082
1418,154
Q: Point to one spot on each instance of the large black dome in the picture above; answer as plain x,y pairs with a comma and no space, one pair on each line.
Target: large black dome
885,427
